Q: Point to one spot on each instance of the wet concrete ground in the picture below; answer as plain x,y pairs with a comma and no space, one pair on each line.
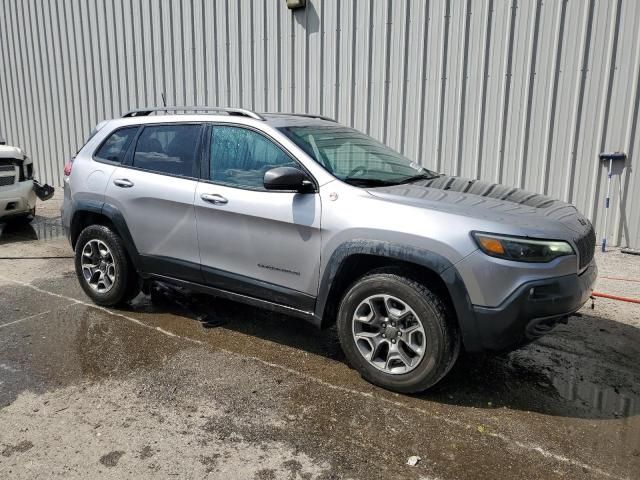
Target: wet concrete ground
197,387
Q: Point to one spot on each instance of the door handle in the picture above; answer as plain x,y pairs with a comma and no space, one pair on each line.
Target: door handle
214,198
123,183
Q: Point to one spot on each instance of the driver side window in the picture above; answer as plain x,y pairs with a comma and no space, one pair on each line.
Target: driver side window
240,157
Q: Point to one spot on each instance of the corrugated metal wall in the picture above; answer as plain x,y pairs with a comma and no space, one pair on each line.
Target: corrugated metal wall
521,92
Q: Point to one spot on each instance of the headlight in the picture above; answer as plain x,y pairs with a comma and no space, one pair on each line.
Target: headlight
522,249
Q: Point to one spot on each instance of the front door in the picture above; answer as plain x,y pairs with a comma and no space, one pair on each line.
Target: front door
252,241
154,191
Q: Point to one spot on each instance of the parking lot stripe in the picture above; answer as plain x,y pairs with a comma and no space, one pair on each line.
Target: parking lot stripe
25,319
531,447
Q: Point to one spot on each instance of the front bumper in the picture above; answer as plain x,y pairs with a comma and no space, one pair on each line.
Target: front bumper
532,310
17,199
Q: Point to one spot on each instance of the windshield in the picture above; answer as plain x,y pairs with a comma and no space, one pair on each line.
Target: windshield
354,157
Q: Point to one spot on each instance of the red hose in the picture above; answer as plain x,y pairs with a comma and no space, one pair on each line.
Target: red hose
616,297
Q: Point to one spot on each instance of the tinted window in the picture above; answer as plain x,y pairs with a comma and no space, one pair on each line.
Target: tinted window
115,147
168,149
240,156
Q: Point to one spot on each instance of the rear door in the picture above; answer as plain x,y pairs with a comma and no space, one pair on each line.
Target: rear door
261,243
154,191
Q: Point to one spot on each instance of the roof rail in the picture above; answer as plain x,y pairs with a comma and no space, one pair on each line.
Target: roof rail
308,115
142,112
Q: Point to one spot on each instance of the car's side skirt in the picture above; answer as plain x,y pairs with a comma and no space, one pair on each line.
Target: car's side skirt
238,297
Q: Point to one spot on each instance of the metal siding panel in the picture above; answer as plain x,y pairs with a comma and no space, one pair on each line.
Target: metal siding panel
209,54
245,54
397,73
498,48
314,58
378,70
622,113
287,59
330,70
433,81
587,166
259,56
527,93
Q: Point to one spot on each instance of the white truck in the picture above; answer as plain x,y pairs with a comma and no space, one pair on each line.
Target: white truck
17,193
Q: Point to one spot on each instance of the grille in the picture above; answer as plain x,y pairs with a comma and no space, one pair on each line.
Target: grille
7,168
4,181
586,247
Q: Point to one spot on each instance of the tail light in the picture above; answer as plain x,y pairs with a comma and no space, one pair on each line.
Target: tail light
67,167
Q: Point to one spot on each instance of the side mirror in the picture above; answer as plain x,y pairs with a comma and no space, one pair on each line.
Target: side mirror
287,179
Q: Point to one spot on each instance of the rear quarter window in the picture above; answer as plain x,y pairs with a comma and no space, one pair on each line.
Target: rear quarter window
114,148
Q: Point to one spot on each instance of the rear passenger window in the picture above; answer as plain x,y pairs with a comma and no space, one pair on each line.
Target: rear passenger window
115,147
168,149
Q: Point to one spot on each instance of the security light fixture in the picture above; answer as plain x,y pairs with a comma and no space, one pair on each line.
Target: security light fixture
295,4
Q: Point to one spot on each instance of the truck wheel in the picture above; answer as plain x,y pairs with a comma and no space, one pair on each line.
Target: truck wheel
103,268
396,332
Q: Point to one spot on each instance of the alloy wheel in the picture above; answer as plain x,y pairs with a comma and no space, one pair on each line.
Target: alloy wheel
98,266
389,334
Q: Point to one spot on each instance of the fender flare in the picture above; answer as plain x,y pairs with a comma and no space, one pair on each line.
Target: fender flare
406,253
117,219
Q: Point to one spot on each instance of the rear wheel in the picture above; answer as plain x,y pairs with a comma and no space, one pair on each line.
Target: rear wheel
396,332
103,268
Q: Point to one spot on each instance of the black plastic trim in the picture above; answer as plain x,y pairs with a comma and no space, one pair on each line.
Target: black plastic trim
258,289
116,217
237,297
230,282
509,325
433,261
171,267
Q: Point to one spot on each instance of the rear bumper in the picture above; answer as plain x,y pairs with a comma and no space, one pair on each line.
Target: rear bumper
17,199
532,310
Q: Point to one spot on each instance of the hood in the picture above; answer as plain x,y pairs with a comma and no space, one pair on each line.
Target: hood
487,201
11,155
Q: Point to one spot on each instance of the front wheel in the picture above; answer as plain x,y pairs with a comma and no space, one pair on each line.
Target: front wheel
396,332
102,266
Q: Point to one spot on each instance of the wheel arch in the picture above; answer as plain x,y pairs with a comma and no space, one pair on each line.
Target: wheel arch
354,259
95,213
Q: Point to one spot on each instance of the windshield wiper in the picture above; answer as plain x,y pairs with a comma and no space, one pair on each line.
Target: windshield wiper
367,182
420,176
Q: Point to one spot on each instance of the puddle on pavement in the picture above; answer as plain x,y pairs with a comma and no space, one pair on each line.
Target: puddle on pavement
41,228
76,343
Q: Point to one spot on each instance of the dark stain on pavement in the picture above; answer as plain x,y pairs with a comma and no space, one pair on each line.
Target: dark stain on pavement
111,459
21,447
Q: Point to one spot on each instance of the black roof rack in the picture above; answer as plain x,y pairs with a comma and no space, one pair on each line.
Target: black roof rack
143,112
307,115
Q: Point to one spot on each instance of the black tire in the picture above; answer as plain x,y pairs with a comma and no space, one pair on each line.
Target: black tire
442,337
125,286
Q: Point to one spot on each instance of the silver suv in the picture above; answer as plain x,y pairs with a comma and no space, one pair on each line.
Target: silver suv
301,215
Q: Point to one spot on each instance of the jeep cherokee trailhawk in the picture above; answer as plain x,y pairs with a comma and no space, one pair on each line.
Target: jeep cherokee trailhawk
301,215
